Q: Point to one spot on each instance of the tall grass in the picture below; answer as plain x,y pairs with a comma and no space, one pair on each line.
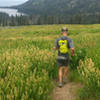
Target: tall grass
28,63
91,79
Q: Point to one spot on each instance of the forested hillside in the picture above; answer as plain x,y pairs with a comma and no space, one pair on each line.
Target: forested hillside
55,12
60,7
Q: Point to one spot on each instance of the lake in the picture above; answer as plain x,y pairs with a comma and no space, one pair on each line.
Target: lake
11,12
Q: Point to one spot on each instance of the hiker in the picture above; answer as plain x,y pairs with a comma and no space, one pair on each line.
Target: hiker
63,44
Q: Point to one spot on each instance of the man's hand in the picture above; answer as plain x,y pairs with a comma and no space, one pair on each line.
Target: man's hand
73,51
54,48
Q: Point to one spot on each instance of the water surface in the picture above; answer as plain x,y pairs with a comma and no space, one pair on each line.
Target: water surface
11,12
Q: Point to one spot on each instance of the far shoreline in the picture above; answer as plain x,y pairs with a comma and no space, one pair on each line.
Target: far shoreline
9,7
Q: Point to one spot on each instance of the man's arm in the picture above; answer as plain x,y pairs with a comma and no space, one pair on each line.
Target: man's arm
56,45
72,47
73,51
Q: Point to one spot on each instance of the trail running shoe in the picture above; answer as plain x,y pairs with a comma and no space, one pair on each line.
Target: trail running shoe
60,85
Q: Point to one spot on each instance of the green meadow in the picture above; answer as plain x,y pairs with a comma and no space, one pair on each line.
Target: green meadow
28,62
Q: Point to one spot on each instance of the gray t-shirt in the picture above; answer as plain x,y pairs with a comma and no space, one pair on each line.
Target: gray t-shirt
70,44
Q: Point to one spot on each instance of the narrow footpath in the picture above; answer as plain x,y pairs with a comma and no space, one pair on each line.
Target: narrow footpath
67,92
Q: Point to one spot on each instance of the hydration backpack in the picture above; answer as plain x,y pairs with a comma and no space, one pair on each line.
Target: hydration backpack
63,46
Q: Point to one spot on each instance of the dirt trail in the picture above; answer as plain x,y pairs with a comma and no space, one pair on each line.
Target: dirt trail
67,92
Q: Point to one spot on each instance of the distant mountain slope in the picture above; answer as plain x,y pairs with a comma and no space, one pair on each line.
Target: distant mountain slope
59,7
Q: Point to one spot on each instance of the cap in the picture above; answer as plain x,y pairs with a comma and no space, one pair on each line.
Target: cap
64,29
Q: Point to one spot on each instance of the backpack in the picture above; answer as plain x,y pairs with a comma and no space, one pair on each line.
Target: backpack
63,46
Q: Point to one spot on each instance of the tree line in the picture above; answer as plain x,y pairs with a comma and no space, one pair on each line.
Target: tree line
6,20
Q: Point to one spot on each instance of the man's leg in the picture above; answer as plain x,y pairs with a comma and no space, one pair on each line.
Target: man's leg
65,71
60,74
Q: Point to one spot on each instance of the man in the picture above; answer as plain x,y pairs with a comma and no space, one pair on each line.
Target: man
63,44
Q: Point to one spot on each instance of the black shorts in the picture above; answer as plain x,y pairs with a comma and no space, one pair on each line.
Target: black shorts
63,61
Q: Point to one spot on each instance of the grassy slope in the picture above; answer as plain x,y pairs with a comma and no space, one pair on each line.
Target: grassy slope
27,62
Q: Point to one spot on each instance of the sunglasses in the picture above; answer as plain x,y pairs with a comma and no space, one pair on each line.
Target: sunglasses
64,30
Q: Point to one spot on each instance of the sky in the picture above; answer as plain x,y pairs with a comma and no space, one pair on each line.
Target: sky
11,2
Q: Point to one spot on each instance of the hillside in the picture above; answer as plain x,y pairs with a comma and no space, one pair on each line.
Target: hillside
58,7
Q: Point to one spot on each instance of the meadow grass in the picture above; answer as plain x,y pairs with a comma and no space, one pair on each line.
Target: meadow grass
28,63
